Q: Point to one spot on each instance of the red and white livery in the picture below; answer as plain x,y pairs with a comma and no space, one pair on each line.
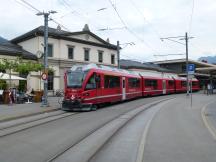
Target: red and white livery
87,86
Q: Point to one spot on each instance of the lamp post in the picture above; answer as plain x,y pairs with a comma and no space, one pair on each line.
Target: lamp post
46,16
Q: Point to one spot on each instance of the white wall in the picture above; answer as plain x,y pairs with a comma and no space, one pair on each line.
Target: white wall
60,52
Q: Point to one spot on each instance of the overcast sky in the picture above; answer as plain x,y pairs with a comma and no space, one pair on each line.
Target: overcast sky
143,22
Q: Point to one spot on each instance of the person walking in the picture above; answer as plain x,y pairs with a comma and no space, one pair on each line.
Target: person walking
208,89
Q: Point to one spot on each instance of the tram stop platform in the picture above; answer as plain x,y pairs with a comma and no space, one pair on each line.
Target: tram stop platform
15,111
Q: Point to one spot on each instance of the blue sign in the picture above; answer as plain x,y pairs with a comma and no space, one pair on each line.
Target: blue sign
191,68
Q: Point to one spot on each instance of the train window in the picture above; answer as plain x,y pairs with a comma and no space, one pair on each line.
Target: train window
151,83
134,82
91,84
98,81
111,81
171,82
183,83
194,83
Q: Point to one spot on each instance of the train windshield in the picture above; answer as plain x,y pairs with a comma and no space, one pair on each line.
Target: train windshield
75,79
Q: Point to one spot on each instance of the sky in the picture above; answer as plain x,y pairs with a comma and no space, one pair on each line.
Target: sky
137,24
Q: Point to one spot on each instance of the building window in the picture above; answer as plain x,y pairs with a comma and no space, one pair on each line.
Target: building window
50,50
50,80
86,54
112,59
70,53
100,56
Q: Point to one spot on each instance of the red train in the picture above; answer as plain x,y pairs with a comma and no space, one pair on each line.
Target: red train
87,86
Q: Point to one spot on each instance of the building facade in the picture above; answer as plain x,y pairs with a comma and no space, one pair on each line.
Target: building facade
179,66
66,49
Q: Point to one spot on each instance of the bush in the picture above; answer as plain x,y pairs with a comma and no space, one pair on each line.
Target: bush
3,84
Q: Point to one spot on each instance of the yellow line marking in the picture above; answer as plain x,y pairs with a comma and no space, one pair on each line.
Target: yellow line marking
206,121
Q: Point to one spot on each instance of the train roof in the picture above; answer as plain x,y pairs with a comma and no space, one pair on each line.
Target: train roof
81,67
114,70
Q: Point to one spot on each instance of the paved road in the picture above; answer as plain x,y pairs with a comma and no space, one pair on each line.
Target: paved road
171,131
42,142
179,134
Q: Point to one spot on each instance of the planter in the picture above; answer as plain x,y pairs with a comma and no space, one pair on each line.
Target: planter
38,96
6,99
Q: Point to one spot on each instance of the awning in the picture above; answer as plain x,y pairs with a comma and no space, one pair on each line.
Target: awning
4,76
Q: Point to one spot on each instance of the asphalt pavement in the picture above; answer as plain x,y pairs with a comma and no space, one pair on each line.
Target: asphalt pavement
179,133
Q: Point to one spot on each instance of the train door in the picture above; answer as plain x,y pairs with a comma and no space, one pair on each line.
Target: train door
164,86
123,89
98,88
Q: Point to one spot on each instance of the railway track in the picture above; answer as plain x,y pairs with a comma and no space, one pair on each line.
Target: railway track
87,146
18,125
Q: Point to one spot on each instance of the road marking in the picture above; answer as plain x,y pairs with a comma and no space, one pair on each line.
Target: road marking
140,154
206,121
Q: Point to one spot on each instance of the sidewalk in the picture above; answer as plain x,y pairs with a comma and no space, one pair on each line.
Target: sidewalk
178,132
9,112
210,114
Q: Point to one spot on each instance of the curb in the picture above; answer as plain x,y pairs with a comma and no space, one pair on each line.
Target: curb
206,121
14,117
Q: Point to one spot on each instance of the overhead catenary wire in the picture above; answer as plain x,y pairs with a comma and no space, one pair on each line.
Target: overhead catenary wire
68,6
150,25
191,18
24,5
129,30
37,10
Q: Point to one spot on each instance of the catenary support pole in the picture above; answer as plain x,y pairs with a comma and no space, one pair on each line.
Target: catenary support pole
46,18
118,54
186,42
45,102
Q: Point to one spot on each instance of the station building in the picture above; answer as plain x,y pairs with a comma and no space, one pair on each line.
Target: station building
64,50
204,72
12,51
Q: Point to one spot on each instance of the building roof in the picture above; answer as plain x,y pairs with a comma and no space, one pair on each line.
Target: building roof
129,64
65,35
10,49
182,61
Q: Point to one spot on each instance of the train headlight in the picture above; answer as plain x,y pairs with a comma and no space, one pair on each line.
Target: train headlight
72,97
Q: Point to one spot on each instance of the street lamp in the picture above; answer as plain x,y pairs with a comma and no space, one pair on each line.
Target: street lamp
46,15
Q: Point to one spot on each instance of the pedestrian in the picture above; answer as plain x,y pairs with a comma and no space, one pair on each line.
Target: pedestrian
11,97
208,89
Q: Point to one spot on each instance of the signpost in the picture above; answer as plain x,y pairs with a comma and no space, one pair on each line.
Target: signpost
44,76
191,69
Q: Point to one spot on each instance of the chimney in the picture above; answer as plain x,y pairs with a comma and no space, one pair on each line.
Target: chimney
108,41
59,28
86,28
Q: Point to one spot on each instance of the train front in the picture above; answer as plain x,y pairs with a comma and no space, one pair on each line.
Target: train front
74,79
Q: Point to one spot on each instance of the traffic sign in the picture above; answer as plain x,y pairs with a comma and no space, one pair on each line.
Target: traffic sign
44,76
191,68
